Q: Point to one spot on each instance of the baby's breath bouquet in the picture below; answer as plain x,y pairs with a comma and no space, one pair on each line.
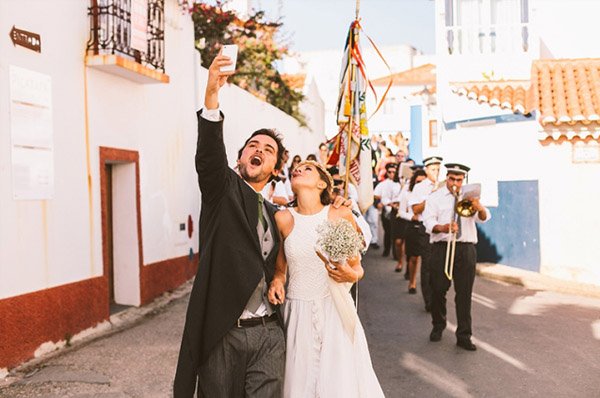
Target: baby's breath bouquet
339,240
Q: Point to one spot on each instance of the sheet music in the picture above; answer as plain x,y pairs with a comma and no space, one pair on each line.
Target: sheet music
471,191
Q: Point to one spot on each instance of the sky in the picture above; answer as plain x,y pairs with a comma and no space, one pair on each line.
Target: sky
323,24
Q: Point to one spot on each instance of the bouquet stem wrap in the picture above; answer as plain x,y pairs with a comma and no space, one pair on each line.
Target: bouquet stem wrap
340,294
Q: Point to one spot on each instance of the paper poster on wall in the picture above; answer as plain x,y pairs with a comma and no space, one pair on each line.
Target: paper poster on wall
31,134
33,173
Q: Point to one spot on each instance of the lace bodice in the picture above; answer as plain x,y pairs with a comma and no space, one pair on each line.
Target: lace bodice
308,279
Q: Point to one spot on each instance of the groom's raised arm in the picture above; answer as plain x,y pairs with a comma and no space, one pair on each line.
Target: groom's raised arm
211,158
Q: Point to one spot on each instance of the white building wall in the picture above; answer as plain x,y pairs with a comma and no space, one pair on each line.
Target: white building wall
245,114
512,151
57,241
569,219
47,243
394,116
568,193
566,29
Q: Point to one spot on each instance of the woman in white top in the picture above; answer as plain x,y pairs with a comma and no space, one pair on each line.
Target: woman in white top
322,358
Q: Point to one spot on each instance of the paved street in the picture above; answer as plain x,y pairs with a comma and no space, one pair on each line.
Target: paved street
530,344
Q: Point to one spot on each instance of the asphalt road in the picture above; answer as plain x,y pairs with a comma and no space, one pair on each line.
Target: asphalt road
530,344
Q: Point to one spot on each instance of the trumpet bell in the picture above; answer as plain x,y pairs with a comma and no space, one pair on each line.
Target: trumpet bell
465,208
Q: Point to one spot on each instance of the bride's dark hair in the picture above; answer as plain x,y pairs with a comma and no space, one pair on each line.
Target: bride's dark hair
325,177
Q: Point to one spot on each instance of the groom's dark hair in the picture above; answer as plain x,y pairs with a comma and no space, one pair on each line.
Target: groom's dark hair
276,137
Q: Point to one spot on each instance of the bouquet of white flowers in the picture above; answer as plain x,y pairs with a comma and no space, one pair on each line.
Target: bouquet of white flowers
339,240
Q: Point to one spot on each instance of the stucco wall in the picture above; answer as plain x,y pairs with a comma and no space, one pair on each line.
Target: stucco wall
47,243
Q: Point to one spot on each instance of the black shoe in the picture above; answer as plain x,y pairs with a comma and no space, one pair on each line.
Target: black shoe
398,269
406,276
412,290
467,345
374,246
435,335
385,254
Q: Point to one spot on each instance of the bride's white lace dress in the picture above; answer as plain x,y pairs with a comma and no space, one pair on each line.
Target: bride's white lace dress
321,359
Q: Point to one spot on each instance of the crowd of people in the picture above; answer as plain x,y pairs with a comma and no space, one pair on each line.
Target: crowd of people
268,315
423,229
416,230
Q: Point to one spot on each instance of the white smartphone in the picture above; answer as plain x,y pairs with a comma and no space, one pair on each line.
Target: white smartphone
231,51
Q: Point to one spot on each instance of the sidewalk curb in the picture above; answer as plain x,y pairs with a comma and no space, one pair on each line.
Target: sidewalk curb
535,281
117,323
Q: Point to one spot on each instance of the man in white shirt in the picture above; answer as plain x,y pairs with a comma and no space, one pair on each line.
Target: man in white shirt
276,193
384,193
419,237
441,220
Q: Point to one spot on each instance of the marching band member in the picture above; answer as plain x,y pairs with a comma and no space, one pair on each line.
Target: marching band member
384,193
416,201
439,219
399,223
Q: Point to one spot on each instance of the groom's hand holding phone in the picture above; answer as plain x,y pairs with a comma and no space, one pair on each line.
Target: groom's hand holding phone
220,69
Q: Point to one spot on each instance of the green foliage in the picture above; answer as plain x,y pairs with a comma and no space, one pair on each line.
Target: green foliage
258,53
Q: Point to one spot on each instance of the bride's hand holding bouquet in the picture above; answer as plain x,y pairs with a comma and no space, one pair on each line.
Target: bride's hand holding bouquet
339,247
342,271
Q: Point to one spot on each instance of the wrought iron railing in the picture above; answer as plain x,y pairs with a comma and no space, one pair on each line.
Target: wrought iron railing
111,31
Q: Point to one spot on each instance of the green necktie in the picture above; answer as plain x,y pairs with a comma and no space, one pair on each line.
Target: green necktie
261,216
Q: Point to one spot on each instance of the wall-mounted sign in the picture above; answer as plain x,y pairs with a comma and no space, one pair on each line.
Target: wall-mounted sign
32,134
586,152
26,39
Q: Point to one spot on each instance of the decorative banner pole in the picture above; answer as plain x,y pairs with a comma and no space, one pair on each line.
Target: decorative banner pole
351,94
351,146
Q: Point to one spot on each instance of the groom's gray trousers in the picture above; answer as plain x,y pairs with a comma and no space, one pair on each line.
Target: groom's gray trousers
247,362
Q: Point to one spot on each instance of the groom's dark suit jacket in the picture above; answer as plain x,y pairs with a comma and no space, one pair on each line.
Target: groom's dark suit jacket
231,264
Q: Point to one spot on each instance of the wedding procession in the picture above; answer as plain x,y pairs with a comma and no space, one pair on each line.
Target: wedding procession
221,200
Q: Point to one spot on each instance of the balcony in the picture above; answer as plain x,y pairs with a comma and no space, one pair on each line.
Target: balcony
127,39
488,39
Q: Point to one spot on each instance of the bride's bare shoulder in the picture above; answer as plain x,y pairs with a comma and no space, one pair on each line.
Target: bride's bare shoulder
285,221
283,215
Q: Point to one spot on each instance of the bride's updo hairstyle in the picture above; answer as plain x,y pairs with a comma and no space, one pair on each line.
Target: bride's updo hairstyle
325,177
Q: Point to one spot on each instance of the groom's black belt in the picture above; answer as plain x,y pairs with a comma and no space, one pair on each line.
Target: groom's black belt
262,320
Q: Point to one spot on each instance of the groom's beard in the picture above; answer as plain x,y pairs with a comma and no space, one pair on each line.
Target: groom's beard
262,176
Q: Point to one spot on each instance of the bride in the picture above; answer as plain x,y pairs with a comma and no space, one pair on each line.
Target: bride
322,359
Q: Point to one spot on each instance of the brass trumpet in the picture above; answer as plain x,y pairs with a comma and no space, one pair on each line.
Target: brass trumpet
465,208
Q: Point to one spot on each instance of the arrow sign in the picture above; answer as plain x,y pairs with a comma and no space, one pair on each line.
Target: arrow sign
26,39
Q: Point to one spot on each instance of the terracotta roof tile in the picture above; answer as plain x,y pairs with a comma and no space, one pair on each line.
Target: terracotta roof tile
509,94
567,91
420,75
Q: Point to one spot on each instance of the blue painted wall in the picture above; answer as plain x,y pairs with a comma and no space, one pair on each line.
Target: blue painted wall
415,146
512,236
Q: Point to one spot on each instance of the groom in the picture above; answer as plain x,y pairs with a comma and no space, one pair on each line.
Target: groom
233,344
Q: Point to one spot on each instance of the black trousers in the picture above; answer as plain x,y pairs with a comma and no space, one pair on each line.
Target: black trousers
463,278
249,362
426,290
387,231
